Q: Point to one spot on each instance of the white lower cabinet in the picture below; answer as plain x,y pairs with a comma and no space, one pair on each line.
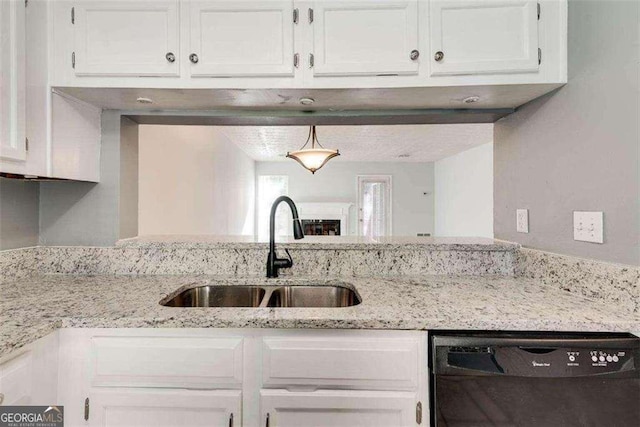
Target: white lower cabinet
241,377
30,377
15,381
338,408
165,408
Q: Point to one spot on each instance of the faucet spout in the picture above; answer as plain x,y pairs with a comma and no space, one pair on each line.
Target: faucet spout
273,262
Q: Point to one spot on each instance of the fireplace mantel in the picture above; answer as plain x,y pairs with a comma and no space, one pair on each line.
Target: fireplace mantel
327,210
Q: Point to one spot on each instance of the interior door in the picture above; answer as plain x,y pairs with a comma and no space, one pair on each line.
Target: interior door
374,205
126,38
12,83
488,37
247,38
366,37
337,408
117,407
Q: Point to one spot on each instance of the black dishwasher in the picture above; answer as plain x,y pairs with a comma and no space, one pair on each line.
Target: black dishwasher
523,379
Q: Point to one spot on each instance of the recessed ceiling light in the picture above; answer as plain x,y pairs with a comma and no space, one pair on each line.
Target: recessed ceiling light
307,101
143,100
471,99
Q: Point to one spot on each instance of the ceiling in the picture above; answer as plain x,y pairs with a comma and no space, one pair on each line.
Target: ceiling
405,143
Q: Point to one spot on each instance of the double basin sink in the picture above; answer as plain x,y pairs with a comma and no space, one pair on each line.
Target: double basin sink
265,296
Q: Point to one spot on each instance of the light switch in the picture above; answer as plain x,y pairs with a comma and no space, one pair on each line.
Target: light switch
588,226
522,220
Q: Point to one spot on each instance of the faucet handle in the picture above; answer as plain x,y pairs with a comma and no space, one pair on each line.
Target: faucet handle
289,256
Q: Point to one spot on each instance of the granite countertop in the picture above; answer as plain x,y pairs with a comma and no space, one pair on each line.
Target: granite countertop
319,242
31,308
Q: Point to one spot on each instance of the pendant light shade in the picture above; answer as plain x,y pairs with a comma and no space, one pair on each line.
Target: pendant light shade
315,157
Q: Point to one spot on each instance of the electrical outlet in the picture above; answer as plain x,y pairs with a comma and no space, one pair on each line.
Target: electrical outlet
588,226
522,220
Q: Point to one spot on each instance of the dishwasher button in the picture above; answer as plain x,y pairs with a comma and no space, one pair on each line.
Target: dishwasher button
594,358
572,358
615,358
602,358
609,358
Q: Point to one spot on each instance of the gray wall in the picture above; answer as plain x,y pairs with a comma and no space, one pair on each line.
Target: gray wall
18,213
412,211
78,213
577,149
128,216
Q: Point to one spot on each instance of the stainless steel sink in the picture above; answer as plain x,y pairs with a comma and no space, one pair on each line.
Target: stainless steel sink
218,296
313,296
265,296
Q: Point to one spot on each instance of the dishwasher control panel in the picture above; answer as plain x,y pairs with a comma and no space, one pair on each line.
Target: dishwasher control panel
540,361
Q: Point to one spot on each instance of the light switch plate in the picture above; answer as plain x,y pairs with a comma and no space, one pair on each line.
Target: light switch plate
588,226
522,220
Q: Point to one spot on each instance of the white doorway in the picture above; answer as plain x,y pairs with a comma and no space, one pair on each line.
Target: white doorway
374,205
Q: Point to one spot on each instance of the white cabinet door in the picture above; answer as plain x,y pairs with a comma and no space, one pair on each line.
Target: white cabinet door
338,408
364,37
247,38
15,381
126,38
164,408
488,37
12,80
372,363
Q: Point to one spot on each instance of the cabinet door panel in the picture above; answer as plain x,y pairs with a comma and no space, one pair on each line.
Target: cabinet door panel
489,37
364,37
380,363
12,82
126,38
338,408
166,362
242,38
15,380
163,408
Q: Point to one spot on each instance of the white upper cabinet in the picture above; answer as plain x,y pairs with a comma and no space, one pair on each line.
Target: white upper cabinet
241,38
12,83
126,38
483,37
364,38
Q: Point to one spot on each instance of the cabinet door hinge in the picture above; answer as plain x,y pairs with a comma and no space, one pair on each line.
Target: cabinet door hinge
539,56
26,144
73,15
296,60
86,409
419,413
311,60
310,16
296,14
538,11
73,60
26,3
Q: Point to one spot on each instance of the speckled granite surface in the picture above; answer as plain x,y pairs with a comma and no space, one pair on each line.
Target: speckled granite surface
17,263
435,256
32,307
613,283
320,242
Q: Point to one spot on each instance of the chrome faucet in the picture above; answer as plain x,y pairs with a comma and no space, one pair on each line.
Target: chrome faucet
273,262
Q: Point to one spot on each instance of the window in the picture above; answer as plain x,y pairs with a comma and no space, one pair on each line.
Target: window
374,205
270,187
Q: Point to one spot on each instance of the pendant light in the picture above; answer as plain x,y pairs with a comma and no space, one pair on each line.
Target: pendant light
315,157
